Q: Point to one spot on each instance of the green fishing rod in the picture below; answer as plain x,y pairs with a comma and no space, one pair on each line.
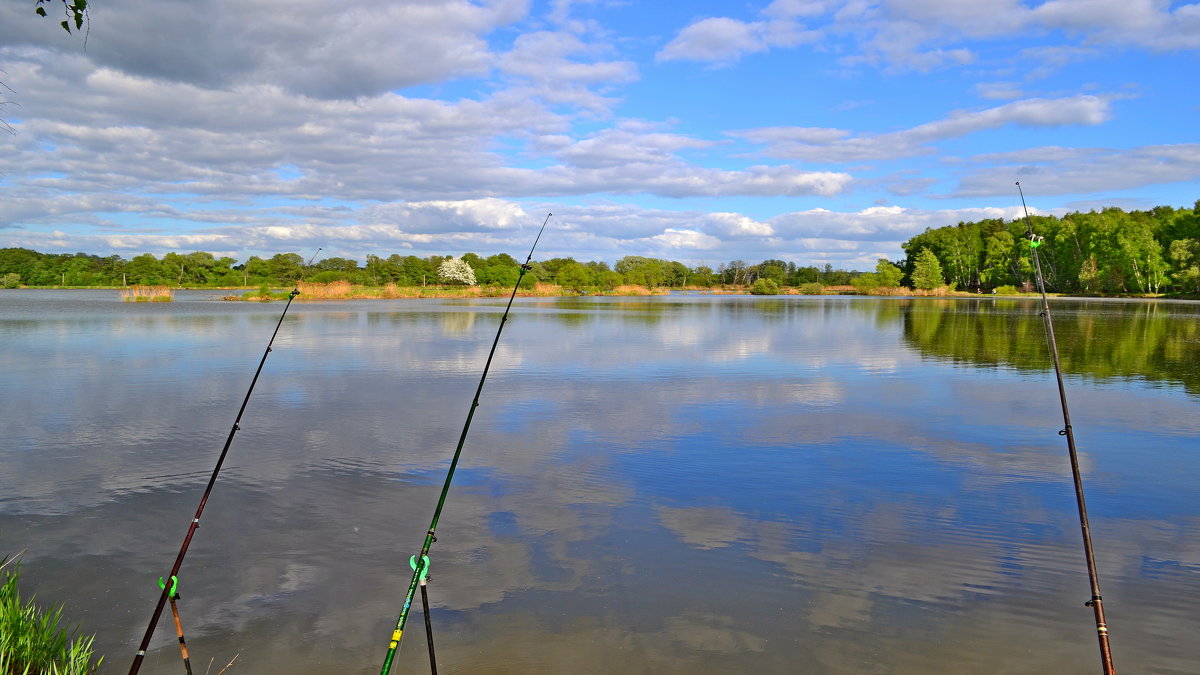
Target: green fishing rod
420,563
169,590
1096,602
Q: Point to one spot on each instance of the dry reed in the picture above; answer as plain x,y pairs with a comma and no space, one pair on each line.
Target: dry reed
633,289
148,294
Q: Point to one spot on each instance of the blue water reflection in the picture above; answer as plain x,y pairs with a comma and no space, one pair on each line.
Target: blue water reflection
670,484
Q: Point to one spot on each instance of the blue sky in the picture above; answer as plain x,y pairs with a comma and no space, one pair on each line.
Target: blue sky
808,130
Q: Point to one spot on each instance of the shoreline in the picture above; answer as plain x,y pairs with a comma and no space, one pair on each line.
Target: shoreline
316,292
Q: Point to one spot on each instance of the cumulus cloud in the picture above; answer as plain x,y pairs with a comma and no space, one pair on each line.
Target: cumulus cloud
323,50
838,145
721,39
923,35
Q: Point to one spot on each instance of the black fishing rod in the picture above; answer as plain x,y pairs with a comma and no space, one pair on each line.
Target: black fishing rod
187,539
420,563
1096,603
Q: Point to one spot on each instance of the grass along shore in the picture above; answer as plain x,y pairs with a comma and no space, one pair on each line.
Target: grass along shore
32,639
344,290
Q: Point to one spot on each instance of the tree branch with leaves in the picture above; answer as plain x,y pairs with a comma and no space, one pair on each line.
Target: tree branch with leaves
74,10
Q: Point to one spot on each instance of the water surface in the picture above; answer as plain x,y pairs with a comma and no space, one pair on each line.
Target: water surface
671,485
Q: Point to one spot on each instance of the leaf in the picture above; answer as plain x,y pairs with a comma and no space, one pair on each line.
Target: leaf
65,26
78,21
41,11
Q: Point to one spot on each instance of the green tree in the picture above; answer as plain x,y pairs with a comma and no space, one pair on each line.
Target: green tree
888,275
285,268
144,269
775,270
1185,260
473,260
337,265
574,276
702,276
650,272
927,271
866,282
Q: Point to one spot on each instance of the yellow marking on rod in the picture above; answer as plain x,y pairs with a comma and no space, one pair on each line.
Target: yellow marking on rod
396,635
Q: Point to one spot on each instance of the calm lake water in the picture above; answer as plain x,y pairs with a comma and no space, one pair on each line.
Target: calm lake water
682,484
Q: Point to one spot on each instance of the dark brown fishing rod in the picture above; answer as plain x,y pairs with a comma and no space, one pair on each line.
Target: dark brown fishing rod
187,539
1096,603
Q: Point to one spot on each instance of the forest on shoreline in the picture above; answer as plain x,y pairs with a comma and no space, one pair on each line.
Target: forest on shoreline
1108,252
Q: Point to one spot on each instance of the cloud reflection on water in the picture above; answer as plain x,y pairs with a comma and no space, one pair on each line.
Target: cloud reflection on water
676,486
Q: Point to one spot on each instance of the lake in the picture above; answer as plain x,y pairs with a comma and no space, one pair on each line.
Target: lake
672,484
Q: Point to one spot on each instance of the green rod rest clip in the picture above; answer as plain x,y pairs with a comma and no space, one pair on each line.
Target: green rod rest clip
174,586
412,562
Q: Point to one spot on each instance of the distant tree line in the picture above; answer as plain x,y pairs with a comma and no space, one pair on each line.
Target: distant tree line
25,267
1109,252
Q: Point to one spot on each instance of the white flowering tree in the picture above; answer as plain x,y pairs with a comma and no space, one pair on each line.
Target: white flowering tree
456,271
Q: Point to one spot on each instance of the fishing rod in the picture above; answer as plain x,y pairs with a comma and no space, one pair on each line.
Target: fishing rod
187,539
420,563
1096,603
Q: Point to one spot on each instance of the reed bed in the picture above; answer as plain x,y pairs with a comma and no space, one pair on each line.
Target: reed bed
147,294
334,290
632,289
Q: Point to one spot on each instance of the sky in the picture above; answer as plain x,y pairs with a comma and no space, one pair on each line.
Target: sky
812,131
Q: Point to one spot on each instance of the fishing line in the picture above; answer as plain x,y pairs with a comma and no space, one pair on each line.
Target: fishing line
420,563
187,539
1096,603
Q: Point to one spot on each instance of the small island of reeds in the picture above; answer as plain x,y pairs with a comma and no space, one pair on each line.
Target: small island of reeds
148,294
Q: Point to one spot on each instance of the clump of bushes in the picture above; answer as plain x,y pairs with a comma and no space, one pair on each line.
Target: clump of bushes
31,640
812,288
764,287
1005,290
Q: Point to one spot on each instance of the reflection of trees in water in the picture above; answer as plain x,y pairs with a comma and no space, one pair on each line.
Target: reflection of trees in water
1148,340
457,323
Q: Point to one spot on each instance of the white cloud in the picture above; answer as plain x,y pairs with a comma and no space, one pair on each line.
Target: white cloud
323,50
721,39
833,145
924,35
736,225
681,241
998,90
1065,171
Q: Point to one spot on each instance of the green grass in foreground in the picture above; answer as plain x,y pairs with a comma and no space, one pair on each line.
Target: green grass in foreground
31,640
